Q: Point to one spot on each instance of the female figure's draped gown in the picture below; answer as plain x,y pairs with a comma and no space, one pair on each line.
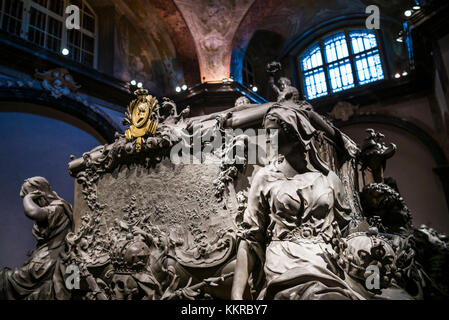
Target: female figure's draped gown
286,222
42,276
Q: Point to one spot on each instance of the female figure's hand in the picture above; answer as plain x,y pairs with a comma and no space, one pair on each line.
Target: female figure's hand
32,209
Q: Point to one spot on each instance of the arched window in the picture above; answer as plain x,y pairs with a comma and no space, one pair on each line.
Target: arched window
340,61
43,23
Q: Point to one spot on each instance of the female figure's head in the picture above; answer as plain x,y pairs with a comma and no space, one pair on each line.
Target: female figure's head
35,184
41,186
295,134
287,142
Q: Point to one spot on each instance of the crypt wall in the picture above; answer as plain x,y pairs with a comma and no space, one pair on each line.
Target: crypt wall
412,168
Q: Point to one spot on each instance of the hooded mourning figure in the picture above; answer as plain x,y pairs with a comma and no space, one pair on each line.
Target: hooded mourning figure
42,276
293,205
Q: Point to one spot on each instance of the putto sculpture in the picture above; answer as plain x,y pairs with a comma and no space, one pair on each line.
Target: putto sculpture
317,221
285,91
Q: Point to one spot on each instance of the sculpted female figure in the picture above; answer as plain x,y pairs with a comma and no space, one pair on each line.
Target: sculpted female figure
41,277
292,204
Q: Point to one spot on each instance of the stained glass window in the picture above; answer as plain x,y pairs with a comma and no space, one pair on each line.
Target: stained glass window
341,61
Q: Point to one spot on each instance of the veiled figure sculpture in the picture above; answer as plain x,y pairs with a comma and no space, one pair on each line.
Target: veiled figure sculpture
294,205
42,276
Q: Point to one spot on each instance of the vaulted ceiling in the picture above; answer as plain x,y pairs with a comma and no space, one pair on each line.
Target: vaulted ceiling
194,40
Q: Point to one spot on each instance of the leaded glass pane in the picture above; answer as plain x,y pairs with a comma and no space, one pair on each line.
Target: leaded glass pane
315,83
12,16
335,47
362,40
340,75
369,67
340,62
57,6
312,58
36,31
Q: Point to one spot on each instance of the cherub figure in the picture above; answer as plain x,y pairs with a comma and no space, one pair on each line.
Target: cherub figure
285,91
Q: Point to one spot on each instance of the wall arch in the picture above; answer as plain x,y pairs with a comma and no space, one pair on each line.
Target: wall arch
38,133
87,118
408,126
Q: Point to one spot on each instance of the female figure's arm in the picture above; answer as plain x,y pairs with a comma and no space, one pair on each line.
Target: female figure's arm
252,238
243,268
32,209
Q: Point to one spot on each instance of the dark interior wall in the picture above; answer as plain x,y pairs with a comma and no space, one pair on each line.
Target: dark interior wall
264,47
32,145
444,48
442,79
132,44
412,168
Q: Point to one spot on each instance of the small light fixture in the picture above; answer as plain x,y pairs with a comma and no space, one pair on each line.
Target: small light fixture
65,51
405,73
254,89
408,13
133,82
417,7
178,89
400,37
397,75
184,87
139,84
231,80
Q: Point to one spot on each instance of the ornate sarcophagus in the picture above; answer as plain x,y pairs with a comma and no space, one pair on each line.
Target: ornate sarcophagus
212,207
131,191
